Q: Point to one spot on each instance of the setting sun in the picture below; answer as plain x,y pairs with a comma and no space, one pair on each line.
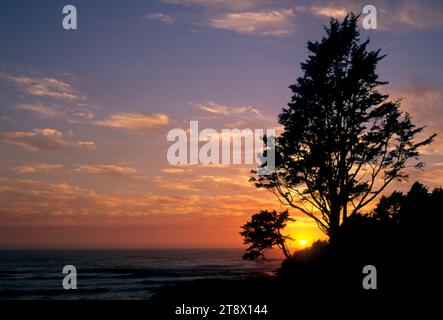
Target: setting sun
303,242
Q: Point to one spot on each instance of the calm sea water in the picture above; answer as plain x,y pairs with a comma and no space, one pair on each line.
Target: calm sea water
117,274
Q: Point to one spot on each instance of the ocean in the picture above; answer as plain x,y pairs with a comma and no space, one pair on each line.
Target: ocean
117,274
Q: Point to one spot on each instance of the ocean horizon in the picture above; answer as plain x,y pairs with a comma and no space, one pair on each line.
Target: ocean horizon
117,274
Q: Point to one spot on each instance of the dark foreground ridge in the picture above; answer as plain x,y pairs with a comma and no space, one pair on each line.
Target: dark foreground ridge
320,284
328,278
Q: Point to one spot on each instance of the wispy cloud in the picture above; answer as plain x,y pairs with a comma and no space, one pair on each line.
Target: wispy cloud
86,145
393,15
51,97
42,109
110,169
265,17
43,86
135,120
219,4
73,113
7,119
419,15
160,17
176,170
223,110
425,104
235,116
64,202
37,167
43,139
266,23
336,12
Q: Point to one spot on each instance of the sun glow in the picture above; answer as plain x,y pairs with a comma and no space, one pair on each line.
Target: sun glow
303,242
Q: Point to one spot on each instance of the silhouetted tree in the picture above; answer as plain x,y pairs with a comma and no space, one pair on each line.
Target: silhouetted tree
265,231
418,211
388,208
415,206
343,141
410,210
402,230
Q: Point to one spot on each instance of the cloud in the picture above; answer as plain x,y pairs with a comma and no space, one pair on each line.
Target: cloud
419,15
223,110
432,175
105,169
26,201
216,115
67,103
90,145
425,103
44,86
222,183
266,23
43,139
160,17
7,119
392,16
329,11
176,170
73,113
219,4
175,184
44,110
135,120
37,167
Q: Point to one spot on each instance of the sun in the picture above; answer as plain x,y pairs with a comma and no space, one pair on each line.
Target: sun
303,242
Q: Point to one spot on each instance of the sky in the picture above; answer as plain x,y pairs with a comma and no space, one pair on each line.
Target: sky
84,114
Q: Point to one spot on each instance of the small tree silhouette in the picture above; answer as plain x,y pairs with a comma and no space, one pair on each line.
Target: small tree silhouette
264,231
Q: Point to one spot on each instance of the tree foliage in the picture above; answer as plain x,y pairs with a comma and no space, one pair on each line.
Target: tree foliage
264,231
413,210
343,141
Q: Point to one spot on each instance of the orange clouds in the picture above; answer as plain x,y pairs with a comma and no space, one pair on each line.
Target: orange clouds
268,23
105,169
329,11
78,112
65,215
223,110
425,104
224,4
43,139
37,167
42,109
44,86
28,201
135,120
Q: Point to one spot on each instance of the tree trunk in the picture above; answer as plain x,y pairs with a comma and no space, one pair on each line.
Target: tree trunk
334,224
285,250
345,213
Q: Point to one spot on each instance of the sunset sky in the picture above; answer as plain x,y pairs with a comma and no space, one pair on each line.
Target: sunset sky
84,113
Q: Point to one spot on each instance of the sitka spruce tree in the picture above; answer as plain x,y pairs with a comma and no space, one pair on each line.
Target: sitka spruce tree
343,140
264,231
